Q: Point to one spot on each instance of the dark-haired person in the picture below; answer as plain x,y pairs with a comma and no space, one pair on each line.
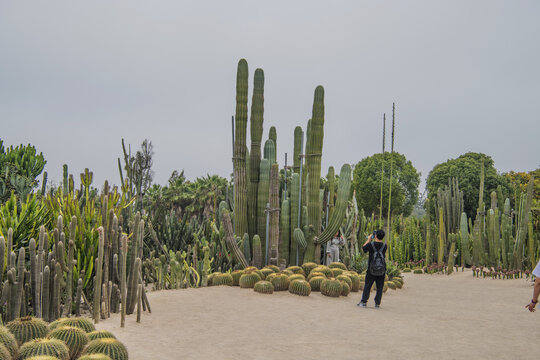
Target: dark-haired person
536,290
374,273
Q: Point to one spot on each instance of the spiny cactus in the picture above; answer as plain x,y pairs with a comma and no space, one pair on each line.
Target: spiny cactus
296,269
262,201
28,328
324,269
100,334
418,271
345,279
264,287
296,277
337,265
331,288
94,357
4,353
391,285
300,239
281,282
274,268
257,251
308,266
314,274
50,347
223,279
271,276
8,340
266,272
345,289
285,240
79,322
315,282
293,206
355,282
331,190
247,281
110,347
274,214
270,151
336,272
236,277
75,339
300,287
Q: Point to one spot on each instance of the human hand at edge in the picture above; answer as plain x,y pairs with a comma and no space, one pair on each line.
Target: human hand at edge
531,306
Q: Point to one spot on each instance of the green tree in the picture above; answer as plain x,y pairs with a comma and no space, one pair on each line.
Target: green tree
466,169
367,183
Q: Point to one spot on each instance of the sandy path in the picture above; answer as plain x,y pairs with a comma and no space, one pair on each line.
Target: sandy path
432,317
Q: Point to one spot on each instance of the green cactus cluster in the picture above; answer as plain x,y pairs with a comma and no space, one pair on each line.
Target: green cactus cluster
345,279
266,272
281,282
236,277
79,322
345,289
248,281
300,287
337,265
332,288
336,272
296,277
110,347
264,287
296,270
8,341
325,270
314,274
74,338
308,267
315,282
223,279
48,347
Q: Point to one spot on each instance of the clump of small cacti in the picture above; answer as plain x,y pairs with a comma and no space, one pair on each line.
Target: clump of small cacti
264,287
28,328
296,270
50,347
314,274
281,282
110,347
8,340
80,322
331,288
355,281
315,282
267,271
247,281
300,287
100,334
222,279
323,269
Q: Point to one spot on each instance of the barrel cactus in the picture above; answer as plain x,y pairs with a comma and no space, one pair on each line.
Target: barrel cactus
296,270
391,285
223,279
94,357
337,265
50,347
355,282
28,328
296,277
300,287
315,282
345,289
385,287
274,268
47,357
75,339
110,347
5,353
8,340
418,271
308,266
337,271
267,271
406,270
264,287
79,322
100,334
287,272
331,288
345,278
281,282
236,274
247,281
314,274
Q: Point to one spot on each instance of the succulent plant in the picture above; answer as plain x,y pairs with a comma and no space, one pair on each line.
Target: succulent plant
274,268
296,270
266,272
391,285
75,339
345,278
79,322
110,347
5,354
337,265
315,282
406,270
94,357
296,277
247,281
264,287
8,340
314,274
300,287
281,282
100,334
27,328
50,347
323,269
361,287
355,282
44,357
271,276
331,288
345,288
236,277
418,271
337,271
222,279
308,266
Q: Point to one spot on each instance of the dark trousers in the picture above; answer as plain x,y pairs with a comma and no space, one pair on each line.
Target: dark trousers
379,281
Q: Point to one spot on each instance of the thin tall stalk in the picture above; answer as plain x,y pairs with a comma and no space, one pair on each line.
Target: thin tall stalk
390,188
382,169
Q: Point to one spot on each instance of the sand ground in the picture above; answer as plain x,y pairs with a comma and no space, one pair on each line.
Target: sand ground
432,317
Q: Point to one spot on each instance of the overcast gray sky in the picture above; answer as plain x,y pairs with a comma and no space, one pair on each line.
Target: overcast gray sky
77,77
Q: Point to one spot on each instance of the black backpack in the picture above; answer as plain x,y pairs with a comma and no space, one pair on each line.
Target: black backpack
378,265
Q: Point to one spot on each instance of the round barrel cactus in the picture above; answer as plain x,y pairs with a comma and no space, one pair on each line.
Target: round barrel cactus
345,289
337,271
315,282
391,285
28,328
281,282
94,357
287,272
345,278
43,357
50,347
236,277
296,277
223,279
355,282
247,281
300,287
100,334
110,347
250,268
314,274
267,271
337,265
296,270
5,354
8,340
75,339
418,271
79,322
325,270
264,287
307,267
406,270
331,288
271,276
385,288
274,268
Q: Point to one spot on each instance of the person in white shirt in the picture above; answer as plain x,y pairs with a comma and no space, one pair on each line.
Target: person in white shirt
536,290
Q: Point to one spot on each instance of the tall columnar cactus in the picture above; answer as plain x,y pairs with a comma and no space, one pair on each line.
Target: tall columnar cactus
297,151
270,151
313,165
262,201
442,238
506,229
123,270
465,241
293,205
331,190
274,214
453,240
339,214
272,135
230,241
285,234
247,248
257,251
240,173
98,278
256,126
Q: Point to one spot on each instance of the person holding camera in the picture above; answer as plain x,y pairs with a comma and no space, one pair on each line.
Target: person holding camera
376,270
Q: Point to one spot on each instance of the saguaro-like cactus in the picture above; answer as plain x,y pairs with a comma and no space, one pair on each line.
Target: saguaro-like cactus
98,278
240,173
313,165
297,149
272,135
293,205
262,201
331,190
285,234
256,126
465,241
274,214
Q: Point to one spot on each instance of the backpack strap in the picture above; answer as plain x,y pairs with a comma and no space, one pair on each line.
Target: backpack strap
375,249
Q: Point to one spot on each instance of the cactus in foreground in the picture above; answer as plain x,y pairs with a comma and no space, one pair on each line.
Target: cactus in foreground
296,277
355,282
264,287
300,287
27,328
50,347
100,334
337,265
79,322
222,279
331,288
345,288
315,283
236,277
257,251
247,281
281,282
262,201
94,357
345,279
75,339
325,270
9,342
110,347
308,267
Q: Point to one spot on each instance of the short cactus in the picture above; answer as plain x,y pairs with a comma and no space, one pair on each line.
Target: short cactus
274,268
418,271
281,282
110,347
236,277
94,357
337,271
264,287
100,334
28,328
355,282
75,339
346,279
300,287
314,274
331,288
324,269
50,347
296,277
307,267
406,270
8,340
391,285
315,282
296,270
267,271
337,265
247,281
44,357
345,288
79,322
5,354
222,279
271,276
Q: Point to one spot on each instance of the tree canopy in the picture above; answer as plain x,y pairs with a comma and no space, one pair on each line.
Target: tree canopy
367,183
466,169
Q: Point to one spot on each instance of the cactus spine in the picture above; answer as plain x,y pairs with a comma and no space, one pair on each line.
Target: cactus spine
240,174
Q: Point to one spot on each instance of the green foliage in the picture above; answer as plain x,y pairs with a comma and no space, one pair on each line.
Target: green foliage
367,183
466,169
